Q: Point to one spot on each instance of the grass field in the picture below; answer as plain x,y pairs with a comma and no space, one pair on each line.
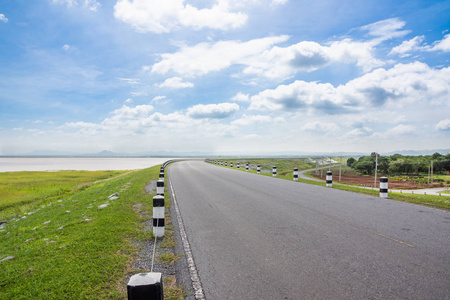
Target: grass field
23,191
76,244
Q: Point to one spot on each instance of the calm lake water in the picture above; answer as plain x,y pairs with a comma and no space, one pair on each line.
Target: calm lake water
8,164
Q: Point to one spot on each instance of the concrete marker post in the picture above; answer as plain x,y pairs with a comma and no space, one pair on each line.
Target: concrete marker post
274,171
231,165
158,216
145,286
160,187
258,169
161,175
329,179
246,167
383,187
237,166
295,174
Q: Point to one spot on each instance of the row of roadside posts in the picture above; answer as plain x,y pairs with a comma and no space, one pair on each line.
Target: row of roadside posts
149,286
329,176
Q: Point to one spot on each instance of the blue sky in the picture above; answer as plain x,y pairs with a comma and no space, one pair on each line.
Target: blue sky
245,77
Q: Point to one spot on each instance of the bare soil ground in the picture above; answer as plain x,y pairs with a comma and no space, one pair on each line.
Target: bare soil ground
365,180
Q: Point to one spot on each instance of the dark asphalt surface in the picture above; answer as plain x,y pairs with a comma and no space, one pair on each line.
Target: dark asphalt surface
257,237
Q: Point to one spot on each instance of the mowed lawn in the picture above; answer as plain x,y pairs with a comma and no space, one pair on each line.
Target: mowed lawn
65,238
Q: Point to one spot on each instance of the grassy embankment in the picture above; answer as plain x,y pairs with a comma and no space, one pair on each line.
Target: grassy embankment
286,166
66,240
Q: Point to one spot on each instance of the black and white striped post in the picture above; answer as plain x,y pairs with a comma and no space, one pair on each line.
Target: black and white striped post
274,171
258,169
329,179
383,187
231,165
246,167
160,187
295,174
161,175
158,216
237,167
145,286
226,164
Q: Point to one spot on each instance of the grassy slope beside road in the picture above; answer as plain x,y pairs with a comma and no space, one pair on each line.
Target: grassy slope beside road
78,245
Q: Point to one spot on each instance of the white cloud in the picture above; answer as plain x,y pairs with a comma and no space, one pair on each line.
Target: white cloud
414,45
408,46
66,47
241,97
165,16
3,18
404,84
207,57
401,130
296,96
129,100
386,29
158,99
443,125
359,132
176,83
212,111
443,45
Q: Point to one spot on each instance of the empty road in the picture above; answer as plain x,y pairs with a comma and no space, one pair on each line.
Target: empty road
257,237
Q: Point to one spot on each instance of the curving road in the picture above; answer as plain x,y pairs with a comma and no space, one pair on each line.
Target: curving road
257,237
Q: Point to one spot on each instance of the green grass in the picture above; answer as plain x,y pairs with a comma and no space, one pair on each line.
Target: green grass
23,191
69,247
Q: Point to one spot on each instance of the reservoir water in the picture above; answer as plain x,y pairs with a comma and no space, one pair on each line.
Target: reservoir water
9,164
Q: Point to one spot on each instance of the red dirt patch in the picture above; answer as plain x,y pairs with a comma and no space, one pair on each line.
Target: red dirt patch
369,181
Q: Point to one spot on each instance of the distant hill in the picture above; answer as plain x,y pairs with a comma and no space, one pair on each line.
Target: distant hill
107,153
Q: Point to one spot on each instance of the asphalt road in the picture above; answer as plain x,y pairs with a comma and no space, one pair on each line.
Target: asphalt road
257,237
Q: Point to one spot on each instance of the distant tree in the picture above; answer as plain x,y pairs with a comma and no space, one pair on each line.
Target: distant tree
436,155
364,166
383,165
350,161
395,157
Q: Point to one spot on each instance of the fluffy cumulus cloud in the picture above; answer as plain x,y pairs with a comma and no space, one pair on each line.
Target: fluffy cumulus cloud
241,97
443,125
212,111
164,16
176,83
401,85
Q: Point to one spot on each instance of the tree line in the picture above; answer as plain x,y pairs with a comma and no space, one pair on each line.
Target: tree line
398,164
